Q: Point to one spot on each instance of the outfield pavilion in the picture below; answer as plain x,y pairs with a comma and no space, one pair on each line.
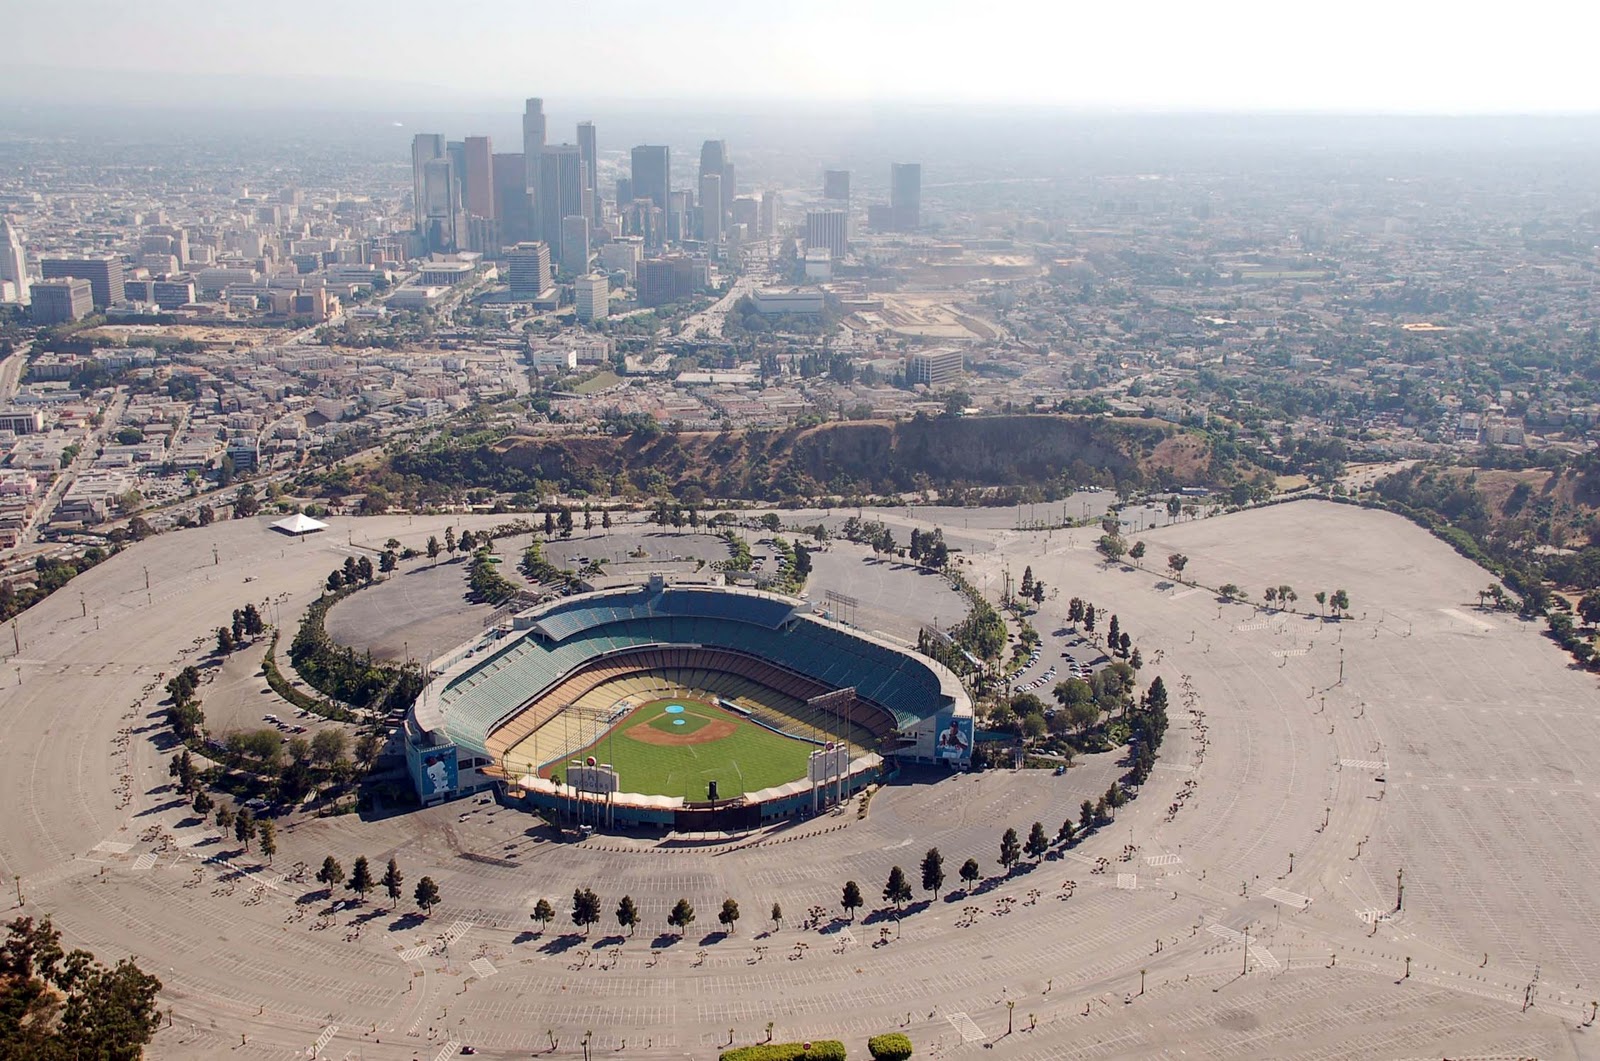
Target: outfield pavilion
537,689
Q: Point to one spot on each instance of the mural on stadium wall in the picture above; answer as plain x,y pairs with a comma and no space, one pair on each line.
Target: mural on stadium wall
955,737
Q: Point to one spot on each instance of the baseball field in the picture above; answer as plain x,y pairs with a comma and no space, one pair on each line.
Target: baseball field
673,747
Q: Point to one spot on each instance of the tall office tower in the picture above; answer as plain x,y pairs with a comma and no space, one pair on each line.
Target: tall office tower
425,147
439,198
652,175
624,193
836,184
711,207
714,160
479,176
103,271
771,205
905,195
513,206
560,192
678,204
575,244
592,297
528,269
532,138
829,230
13,260
589,152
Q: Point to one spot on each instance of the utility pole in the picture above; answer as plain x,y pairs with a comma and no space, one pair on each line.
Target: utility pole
1246,951
1399,889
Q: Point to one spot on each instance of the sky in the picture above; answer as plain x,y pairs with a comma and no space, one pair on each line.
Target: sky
1353,56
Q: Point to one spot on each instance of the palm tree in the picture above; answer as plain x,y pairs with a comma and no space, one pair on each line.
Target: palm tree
1321,598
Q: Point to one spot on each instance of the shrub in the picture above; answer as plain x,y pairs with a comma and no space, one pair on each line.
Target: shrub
890,1047
821,1050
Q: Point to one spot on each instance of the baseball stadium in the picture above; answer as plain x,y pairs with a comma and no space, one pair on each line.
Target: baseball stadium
681,706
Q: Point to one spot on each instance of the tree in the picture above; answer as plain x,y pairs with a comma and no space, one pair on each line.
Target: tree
387,561
1010,849
851,900
331,875
1088,617
426,895
1589,607
970,873
1137,552
1038,842
55,1005
1176,563
1086,816
202,804
728,916
681,916
1075,610
1321,598
585,908
605,519
245,503
1270,594
224,818
932,871
468,541
392,879
1027,581
1112,547
776,916
1286,596
433,548
244,827
627,914
1067,831
328,746
1230,591
450,540
1038,593
208,515
1340,601
1113,632
181,766
224,641
361,881
898,889
543,913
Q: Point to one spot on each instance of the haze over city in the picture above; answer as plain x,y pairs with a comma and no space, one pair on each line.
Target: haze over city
1250,55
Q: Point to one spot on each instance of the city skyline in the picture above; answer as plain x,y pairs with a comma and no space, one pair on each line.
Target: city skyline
1242,55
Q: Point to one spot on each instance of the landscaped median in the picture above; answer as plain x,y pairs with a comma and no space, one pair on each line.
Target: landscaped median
890,1047
821,1050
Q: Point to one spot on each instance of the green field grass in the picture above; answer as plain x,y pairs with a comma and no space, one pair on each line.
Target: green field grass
747,760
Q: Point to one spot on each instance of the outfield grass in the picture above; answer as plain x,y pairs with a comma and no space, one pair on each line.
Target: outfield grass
748,759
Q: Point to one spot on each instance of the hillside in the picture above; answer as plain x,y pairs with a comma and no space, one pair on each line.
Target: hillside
1039,455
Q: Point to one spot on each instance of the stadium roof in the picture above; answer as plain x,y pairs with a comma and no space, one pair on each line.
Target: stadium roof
299,523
